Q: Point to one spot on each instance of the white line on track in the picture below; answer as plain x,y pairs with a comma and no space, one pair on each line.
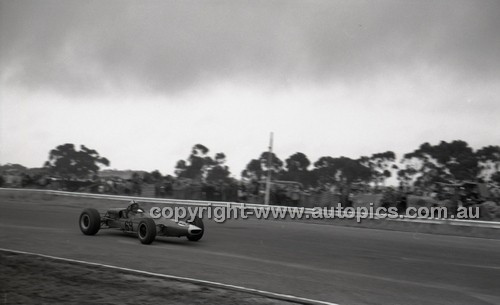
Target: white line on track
264,293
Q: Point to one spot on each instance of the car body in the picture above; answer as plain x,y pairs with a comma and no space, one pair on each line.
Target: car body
133,219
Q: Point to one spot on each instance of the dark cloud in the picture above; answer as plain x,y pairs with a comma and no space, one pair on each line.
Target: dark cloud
168,46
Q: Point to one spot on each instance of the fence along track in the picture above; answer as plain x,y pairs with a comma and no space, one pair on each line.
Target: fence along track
183,202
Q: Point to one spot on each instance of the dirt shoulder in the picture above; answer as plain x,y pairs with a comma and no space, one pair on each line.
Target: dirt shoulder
28,279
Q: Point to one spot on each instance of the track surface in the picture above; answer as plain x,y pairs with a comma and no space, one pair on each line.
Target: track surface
329,263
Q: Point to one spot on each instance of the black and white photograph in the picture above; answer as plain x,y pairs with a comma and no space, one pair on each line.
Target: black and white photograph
341,152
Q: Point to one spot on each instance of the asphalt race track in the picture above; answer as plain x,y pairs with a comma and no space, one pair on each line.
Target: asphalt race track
322,262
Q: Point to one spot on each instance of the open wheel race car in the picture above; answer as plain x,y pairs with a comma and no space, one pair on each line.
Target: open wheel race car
133,219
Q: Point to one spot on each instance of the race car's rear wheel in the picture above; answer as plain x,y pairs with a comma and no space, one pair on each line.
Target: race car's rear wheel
90,221
146,231
199,223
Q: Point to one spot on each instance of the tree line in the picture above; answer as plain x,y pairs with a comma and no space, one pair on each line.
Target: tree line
426,165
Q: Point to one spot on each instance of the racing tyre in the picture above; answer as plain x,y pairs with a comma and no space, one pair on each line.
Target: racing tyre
146,231
199,223
90,221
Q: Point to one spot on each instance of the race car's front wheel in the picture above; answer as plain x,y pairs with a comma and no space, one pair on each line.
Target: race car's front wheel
90,221
146,231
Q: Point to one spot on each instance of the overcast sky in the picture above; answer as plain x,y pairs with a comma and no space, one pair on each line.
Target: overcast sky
143,81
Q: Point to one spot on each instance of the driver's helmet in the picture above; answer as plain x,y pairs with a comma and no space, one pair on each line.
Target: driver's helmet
134,206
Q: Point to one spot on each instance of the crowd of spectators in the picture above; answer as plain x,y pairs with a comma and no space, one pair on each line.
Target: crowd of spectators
286,193
281,192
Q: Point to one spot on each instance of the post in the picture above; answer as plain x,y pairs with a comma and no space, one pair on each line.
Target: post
269,166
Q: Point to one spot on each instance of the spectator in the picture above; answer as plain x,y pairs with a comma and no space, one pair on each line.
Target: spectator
295,196
242,193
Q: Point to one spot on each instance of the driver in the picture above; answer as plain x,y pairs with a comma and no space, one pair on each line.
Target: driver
133,207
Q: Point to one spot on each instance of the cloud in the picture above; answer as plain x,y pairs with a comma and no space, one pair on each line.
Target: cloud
152,78
169,46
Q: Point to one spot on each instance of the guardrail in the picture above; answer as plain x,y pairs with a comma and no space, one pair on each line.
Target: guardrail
457,222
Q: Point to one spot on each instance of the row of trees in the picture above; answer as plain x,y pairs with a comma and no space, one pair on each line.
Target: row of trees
446,161
326,169
453,161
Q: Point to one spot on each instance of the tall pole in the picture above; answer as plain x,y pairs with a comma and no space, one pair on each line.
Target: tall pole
269,166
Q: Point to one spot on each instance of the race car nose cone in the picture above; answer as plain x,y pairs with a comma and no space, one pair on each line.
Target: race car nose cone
193,230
